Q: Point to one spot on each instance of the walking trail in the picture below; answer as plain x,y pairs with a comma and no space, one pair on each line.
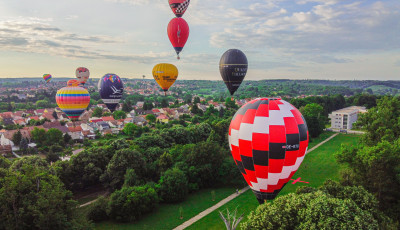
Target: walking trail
233,196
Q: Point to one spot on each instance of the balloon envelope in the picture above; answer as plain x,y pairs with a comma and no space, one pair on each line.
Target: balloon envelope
178,33
47,78
82,74
179,7
73,100
268,139
111,89
73,83
165,75
233,68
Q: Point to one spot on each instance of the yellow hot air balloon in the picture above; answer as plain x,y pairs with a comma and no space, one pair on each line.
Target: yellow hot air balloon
165,75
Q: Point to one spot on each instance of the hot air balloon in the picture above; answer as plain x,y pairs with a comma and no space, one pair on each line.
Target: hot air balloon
165,75
179,6
47,78
82,74
268,139
233,68
178,33
74,83
73,100
111,89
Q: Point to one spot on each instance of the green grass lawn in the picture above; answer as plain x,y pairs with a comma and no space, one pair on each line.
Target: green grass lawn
314,141
317,167
167,215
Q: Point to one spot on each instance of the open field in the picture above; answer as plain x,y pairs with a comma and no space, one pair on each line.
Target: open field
167,215
317,167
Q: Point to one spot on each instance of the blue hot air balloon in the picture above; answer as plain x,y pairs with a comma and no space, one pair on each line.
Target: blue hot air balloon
111,89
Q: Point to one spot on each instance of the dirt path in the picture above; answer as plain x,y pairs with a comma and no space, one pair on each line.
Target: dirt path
233,196
328,139
209,210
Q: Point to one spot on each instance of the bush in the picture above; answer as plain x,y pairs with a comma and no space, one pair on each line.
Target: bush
98,210
173,186
130,203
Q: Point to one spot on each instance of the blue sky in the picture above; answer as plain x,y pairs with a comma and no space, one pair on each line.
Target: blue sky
318,39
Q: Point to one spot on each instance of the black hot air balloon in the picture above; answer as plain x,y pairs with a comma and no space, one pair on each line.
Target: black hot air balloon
111,89
233,68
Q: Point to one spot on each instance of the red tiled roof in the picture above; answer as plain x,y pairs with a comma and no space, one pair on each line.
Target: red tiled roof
75,129
110,118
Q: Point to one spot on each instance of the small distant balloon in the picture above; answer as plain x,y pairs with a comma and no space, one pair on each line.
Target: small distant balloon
111,89
74,83
179,7
165,75
233,68
47,78
82,74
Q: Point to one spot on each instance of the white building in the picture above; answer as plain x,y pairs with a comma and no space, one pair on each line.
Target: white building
345,118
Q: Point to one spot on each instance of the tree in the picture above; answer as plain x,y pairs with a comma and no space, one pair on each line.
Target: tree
127,107
119,114
42,104
67,138
98,210
196,100
130,129
17,137
23,145
55,115
229,103
377,169
39,136
52,156
173,186
32,198
164,103
97,112
151,118
332,206
121,161
313,114
131,203
54,136
131,178
195,110
381,122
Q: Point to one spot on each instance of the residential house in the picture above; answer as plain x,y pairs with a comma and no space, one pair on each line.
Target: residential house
76,133
48,116
163,118
20,122
102,126
8,121
141,121
139,112
39,112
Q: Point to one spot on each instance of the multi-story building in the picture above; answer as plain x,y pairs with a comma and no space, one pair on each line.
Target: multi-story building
345,118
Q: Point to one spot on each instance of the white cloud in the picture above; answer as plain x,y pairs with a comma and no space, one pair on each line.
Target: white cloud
325,29
33,35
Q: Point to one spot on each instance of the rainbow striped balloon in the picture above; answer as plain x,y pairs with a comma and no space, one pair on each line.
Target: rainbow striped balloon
73,100
47,77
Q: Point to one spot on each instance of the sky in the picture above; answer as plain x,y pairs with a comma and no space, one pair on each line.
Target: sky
282,39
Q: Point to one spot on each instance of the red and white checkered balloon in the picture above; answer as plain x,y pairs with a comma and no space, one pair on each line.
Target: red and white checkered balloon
268,139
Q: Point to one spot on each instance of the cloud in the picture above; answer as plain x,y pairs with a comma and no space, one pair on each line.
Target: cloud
320,31
33,35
